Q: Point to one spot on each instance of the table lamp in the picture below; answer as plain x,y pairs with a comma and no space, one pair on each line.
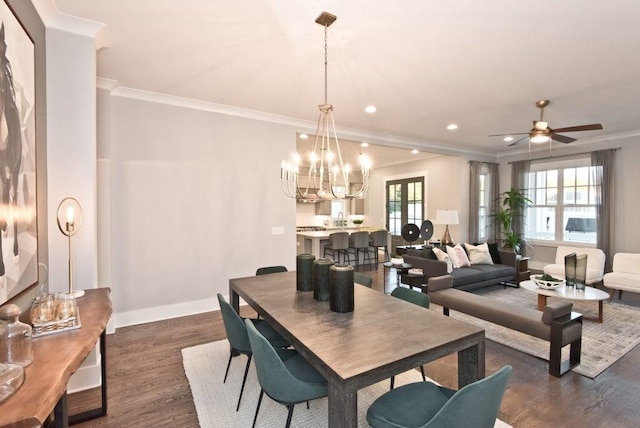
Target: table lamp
69,219
447,217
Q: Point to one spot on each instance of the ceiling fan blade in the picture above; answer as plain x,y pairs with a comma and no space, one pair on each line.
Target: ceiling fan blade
518,141
592,127
562,138
506,135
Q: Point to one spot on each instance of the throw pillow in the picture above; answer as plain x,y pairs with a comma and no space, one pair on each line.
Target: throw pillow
458,256
495,254
443,257
479,254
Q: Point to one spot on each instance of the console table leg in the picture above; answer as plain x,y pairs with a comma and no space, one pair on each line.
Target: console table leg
60,413
102,410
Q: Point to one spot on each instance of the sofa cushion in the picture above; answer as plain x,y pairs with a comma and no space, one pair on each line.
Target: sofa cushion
444,257
495,254
466,275
479,254
494,271
458,256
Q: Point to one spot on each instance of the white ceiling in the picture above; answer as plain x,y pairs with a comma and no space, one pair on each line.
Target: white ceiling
423,64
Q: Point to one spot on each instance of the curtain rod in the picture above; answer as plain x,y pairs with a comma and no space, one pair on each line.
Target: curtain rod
615,149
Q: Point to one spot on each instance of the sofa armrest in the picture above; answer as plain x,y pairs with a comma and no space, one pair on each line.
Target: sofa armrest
429,267
508,257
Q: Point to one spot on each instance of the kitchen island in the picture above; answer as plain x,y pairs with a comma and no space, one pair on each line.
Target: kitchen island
313,242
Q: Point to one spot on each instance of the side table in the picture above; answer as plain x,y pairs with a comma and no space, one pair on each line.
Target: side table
522,273
400,268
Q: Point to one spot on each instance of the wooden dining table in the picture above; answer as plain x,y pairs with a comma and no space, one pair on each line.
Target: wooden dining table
382,337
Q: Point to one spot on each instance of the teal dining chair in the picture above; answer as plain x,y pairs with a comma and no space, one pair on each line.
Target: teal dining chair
287,379
237,335
362,279
417,298
425,404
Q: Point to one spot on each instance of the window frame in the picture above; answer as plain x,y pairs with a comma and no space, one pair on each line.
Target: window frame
559,204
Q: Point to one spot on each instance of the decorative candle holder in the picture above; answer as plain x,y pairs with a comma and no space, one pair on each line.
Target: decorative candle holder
341,288
321,269
304,272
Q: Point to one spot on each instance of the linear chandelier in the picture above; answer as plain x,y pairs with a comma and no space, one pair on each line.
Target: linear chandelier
327,175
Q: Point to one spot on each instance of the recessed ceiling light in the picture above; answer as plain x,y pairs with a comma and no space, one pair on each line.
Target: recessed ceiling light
452,127
415,151
303,136
507,139
364,144
370,109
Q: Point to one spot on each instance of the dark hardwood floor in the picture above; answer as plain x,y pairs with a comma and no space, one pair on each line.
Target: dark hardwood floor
147,386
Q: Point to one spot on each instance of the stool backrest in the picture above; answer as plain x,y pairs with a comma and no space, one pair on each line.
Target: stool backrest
360,239
379,238
339,240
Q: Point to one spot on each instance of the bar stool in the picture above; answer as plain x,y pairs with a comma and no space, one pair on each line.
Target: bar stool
378,240
359,242
338,244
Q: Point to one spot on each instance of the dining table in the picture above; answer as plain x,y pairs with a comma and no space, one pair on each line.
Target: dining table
382,337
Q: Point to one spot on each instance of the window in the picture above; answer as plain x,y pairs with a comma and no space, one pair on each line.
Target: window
404,203
564,202
484,206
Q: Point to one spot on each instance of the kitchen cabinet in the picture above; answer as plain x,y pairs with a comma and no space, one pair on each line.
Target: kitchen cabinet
323,208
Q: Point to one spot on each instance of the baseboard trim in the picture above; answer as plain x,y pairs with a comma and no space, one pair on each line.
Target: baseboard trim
159,313
87,377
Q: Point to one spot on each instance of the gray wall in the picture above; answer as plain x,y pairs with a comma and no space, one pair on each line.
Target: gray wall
193,196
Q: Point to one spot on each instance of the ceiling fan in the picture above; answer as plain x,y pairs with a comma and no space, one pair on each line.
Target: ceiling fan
542,133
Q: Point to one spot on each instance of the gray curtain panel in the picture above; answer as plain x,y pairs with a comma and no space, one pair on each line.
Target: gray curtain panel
604,202
490,170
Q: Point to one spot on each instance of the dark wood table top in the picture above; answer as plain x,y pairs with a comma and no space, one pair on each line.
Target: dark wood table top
55,358
382,337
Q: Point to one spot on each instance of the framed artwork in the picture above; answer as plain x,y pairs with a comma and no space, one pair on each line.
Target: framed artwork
18,201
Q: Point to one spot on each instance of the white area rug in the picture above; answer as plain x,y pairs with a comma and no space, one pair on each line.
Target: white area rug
602,343
215,401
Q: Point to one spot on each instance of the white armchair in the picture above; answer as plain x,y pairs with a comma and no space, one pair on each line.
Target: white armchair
595,263
625,275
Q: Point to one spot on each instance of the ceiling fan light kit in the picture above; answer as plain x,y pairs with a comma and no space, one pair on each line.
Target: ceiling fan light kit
542,133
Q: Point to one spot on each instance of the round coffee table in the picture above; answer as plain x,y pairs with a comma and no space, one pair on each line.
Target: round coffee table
568,293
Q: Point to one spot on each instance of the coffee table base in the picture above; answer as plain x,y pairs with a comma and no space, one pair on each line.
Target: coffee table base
542,302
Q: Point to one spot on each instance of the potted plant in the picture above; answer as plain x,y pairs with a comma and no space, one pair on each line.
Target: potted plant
512,204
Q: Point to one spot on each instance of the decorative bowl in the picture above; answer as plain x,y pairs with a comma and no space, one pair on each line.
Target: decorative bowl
397,260
547,284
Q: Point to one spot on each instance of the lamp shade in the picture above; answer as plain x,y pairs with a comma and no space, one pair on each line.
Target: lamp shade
447,217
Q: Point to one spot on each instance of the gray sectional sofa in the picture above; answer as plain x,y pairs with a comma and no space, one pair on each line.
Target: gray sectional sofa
464,278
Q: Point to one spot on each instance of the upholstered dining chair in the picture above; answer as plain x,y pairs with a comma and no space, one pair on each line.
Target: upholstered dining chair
338,245
237,335
425,404
362,279
270,269
417,298
287,379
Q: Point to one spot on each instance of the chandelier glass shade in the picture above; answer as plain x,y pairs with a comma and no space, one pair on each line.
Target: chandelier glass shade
324,174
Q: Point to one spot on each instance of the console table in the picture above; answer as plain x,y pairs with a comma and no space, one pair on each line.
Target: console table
55,358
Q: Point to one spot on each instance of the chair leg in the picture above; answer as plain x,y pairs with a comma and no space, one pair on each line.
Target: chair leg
228,364
393,381
244,380
289,415
255,418
424,377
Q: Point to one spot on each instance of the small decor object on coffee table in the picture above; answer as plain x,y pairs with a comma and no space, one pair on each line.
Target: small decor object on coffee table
548,281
